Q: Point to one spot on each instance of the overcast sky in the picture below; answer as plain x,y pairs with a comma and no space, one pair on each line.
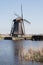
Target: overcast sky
32,11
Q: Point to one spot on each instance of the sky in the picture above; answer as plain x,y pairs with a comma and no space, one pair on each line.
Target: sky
32,11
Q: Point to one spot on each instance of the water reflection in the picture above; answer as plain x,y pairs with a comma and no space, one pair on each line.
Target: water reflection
12,52
18,47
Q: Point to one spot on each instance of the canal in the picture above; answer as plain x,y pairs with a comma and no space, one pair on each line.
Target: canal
10,51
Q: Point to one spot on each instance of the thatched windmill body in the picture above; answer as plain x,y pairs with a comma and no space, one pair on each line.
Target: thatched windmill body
18,25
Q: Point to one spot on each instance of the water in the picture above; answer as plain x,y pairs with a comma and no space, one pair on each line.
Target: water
9,51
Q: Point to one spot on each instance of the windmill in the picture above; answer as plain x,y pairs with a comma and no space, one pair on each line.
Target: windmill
18,25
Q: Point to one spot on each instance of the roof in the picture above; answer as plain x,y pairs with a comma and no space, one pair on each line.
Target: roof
17,19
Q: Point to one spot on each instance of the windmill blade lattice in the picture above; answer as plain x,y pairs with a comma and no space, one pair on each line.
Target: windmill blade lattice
26,21
23,28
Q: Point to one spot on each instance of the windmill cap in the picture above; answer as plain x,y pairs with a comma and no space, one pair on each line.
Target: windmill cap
17,19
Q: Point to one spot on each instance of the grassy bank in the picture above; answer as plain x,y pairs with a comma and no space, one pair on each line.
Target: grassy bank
33,55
